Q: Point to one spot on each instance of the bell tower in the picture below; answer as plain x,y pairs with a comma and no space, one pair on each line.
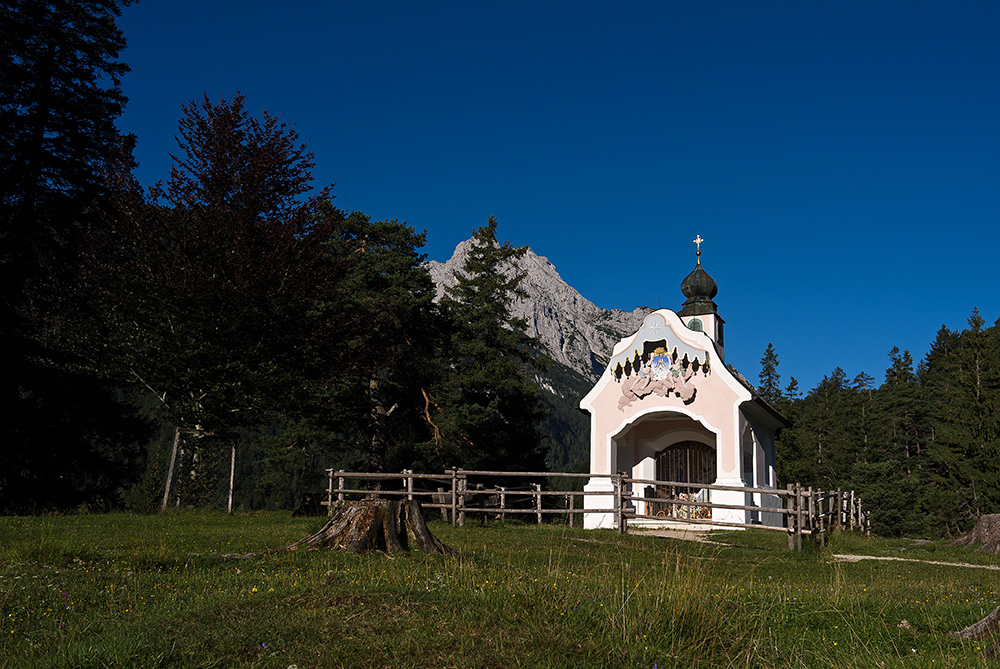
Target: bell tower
699,312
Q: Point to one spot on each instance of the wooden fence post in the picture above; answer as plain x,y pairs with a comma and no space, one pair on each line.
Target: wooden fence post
851,508
463,485
790,516
811,523
454,497
170,470
616,481
440,499
329,492
538,501
821,518
570,499
831,522
798,517
340,485
232,476
409,484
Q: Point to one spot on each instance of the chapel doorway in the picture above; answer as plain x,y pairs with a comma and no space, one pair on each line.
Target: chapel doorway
686,462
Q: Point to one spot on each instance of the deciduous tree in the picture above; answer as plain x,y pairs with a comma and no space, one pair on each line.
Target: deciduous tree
201,291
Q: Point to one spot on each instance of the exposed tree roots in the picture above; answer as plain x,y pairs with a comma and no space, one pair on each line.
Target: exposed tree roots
369,525
985,628
986,535
986,532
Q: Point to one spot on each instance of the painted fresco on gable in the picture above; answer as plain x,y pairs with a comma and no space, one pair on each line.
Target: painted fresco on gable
663,375
658,364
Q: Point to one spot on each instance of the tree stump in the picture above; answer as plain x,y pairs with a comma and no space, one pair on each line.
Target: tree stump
375,525
986,532
987,627
368,525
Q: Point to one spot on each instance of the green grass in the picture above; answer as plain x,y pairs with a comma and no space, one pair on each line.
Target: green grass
123,590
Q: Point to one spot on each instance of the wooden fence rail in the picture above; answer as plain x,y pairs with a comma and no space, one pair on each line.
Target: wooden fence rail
803,511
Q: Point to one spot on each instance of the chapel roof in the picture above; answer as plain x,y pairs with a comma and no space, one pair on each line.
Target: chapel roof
699,288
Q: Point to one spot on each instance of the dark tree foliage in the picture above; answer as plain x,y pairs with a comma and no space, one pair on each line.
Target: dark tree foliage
69,439
962,382
486,409
900,414
375,339
253,170
66,449
923,449
770,380
792,391
203,295
59,97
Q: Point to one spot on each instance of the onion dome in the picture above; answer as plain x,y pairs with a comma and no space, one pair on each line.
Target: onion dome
699,288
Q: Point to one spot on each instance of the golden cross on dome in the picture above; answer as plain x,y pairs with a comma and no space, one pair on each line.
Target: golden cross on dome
698,240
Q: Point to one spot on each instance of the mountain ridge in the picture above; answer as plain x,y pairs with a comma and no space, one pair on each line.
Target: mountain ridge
576,334
573,330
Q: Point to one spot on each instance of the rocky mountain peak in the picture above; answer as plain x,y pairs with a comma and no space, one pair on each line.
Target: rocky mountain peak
573,330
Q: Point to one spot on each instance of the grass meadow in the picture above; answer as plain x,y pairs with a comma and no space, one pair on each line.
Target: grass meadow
148,591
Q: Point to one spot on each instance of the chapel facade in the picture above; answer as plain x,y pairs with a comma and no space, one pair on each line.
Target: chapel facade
667,409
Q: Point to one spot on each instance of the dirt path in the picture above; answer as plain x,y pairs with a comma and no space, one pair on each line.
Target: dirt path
859,558
685,534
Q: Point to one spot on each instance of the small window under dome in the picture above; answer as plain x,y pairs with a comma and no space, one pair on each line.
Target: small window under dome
696,325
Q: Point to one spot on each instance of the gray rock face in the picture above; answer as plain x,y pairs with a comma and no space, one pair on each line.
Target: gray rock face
573,330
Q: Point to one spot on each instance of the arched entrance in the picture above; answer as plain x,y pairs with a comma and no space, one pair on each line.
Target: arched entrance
686,462
683,462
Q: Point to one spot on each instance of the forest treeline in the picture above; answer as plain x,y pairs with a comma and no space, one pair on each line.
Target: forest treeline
922,446
232,300
236,301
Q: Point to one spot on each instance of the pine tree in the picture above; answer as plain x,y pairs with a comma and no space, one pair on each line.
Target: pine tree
487,408
819,449
963,379
900,414
378,336
769,388
864,420
70,437
950,470
792,391
60,93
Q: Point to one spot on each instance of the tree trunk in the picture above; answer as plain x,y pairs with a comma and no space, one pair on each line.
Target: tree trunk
986,532
370,525
986,627
376,452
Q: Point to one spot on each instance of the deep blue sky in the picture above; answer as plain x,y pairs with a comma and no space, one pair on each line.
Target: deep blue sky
841,159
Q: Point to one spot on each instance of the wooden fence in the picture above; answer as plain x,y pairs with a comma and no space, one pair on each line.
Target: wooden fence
457,495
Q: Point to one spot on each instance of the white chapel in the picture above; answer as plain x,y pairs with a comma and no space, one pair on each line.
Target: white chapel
667,409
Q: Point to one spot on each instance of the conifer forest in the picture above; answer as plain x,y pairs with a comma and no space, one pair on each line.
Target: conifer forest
235,301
